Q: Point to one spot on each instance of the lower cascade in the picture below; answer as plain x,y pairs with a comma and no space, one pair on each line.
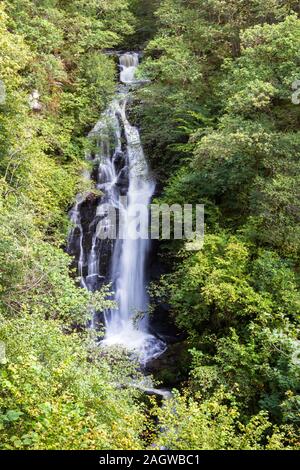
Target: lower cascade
123,182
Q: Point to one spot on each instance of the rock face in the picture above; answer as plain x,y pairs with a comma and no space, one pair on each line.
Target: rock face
82,240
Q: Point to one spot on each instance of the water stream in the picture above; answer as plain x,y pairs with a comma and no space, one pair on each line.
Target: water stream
121,175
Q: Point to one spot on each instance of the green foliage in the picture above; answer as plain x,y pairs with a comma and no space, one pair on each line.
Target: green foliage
145,25
241,314
213,424
225,284
251,159
220,128
228,137
185,60
57,393
67,65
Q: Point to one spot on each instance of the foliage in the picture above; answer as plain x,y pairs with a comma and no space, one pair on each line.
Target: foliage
213,424
221,97
57,394
220,129
56,391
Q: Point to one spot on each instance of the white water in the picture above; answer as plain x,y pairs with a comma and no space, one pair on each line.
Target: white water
128,66
127,325
76,221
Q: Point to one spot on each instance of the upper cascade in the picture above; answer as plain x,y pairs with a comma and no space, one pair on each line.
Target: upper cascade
128,65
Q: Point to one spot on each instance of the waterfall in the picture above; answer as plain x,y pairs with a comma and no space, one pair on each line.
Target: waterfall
122,175
128,65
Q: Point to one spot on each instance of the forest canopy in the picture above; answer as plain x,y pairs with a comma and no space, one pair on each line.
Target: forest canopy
220,128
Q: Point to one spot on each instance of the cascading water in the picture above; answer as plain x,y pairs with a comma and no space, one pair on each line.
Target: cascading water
128,65
120,169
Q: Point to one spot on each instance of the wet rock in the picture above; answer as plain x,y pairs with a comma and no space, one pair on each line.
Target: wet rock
123,180
171,368
119,161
